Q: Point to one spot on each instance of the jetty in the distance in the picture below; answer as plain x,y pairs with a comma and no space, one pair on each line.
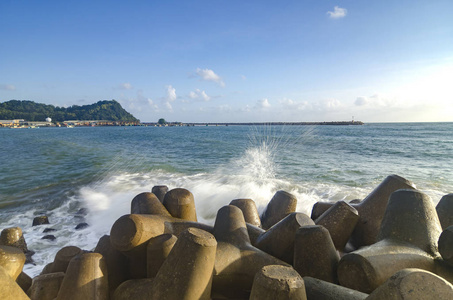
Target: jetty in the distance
277,123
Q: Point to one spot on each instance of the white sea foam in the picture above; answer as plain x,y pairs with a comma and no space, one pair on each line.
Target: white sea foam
251,176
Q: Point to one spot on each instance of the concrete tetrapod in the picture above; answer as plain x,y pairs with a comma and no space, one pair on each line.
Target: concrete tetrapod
185,274
407,239
249,211
12,260
13,237
413,284
86,278
315,254
317,289
148,203
276,282
157,251
340,220
160,191
237,261
446,245
46,286
180,204
281,205
24,281
63,257
116,262
445,211
254,233
9,289
411,217
278,240
371,210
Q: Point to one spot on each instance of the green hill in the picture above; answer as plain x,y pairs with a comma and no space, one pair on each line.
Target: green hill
32,111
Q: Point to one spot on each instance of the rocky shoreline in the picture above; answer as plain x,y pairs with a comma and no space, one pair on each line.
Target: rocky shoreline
394,244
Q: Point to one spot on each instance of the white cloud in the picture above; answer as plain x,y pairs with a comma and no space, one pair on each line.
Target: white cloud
376,100
198,94
294,105
124,86
330,104
171,93
168,106
209,75
7,87
337,13
243,77
262,104
361,101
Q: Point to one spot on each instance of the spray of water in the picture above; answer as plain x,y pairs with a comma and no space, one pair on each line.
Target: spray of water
254,175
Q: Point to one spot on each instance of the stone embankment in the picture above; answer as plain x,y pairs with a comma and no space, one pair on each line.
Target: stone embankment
394,244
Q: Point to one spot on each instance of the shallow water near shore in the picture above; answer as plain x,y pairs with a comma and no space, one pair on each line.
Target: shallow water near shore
58,171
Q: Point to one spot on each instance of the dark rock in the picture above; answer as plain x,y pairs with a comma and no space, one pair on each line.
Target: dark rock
83,211
40,220
49,237
28,257
81,226
48,230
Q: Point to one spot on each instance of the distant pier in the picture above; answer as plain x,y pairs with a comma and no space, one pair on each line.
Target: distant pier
277,123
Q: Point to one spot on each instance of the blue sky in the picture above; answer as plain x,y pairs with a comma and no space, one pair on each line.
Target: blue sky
234,61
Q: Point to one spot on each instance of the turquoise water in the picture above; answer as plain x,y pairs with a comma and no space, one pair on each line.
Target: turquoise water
57,171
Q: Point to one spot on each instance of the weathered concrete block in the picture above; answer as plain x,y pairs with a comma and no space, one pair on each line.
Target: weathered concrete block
115,261
46,287
249,211
445,211
136,289
369,267
371,210
13,237
148,203
185,274
315,254
180,204
63,257
340,220
24,281
254,233
411,217
9,289
12,260
446,245
157,251
160,191
86,278
187,271
281,205
408,239
276,282
409,284
279,239
317,289
237,261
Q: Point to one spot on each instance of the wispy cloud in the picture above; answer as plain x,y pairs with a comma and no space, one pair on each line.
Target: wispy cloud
376,100
124,86
171,93
7,87
198,94
262,104
337,13
210,75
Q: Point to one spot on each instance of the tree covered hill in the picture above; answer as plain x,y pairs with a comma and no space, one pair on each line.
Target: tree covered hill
32,111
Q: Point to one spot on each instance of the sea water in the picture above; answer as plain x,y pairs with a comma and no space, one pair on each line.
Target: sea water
58,171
